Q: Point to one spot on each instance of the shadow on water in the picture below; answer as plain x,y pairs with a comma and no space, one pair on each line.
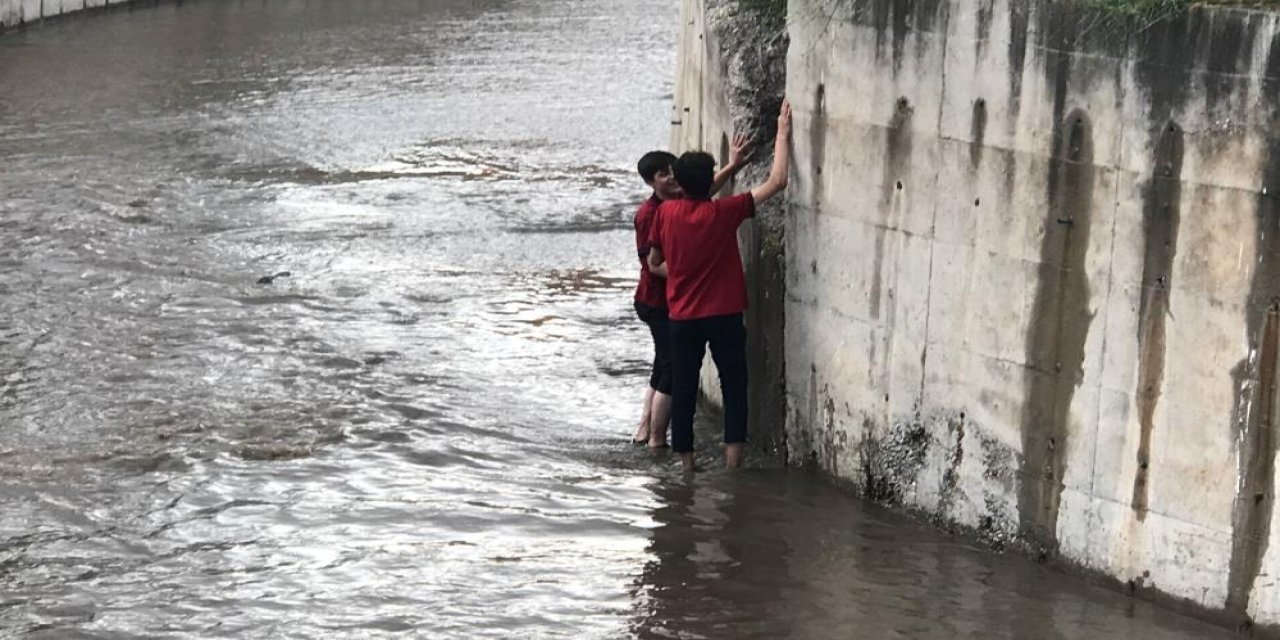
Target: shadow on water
778,554
772,552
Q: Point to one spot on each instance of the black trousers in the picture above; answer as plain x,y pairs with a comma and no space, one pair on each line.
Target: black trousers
727,337
656,319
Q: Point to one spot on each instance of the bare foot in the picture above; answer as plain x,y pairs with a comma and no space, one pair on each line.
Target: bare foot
642,435
642,432
686,461
733,455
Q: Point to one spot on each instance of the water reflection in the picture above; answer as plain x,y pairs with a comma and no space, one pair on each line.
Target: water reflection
712,574
779,554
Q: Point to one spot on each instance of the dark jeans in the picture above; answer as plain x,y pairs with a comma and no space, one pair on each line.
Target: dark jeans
656,318
727,337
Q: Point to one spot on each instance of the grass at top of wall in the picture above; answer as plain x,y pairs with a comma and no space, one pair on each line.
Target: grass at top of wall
1142,13
774,8
1136,13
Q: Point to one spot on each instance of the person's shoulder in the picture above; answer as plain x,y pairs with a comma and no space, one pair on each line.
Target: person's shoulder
734,201
673,205
649,206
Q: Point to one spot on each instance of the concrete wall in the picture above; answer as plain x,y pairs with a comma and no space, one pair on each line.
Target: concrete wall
14,13
1032,268
1032,279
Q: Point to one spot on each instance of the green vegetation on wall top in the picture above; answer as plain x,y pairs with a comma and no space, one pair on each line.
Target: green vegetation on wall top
1139,12
1143,13
1133,13
774,8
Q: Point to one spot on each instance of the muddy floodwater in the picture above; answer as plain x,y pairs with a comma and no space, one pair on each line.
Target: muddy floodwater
315,322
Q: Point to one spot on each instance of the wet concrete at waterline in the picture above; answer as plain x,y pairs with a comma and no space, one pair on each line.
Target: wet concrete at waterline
417,424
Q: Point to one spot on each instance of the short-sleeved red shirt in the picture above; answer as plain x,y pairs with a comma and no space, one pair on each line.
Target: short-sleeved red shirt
699,241
652,289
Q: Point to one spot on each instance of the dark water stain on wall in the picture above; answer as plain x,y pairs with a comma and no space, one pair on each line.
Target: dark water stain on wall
1165,52
1273,58
893,20
1255,413
1161,213
766,350
818,143
1229,55
902,10
1060,320
897,164
950,488
1019,23
986,8
977,132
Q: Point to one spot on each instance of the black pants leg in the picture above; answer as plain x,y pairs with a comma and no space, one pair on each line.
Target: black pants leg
656,319
689,339
728,338
688,346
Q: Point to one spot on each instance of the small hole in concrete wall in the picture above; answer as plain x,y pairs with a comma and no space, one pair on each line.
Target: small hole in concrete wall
899,185
886,397
962,415
977,202
813,266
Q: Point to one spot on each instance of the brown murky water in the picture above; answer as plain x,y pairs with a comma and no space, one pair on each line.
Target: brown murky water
420,430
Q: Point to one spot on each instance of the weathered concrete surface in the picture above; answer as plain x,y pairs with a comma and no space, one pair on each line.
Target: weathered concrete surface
1032,275
14,13
1033,265
730,78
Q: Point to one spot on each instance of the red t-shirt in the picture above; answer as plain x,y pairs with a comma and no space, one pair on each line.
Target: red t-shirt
651,290
699,241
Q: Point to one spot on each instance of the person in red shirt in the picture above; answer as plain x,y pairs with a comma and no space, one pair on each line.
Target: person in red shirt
651,298
694,241
651,301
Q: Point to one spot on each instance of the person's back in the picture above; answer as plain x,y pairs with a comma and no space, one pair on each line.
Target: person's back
703,264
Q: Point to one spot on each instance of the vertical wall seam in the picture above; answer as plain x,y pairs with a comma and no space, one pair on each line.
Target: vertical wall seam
1122,97
933,218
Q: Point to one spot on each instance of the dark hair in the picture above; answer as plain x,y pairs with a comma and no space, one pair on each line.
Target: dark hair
695,170
653,162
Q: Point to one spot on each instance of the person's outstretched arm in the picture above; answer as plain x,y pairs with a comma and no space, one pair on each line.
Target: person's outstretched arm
777,180
738,155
